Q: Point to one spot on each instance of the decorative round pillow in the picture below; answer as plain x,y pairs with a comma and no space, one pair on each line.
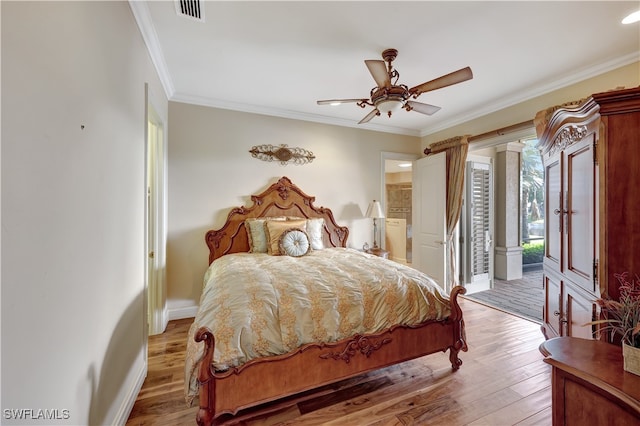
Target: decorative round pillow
294,242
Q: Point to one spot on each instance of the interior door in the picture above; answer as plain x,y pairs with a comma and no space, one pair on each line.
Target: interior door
155,286
429,217
152,225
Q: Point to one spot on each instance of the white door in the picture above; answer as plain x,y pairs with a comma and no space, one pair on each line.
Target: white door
152,223
429,217
156,317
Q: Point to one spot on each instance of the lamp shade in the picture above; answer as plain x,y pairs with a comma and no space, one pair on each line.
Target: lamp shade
375,210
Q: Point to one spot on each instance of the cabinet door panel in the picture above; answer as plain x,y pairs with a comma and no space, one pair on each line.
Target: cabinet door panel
580,213
553,230
551,313
580,311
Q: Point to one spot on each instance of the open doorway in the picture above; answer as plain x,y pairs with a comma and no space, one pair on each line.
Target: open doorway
519,225
397,205
532,206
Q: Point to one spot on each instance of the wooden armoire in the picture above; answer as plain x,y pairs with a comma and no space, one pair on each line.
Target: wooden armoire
591,156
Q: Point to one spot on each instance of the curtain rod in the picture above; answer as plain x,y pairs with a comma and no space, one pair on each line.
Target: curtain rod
502,131
477,138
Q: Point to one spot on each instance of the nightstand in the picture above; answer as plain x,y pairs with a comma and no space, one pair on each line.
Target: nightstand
378,252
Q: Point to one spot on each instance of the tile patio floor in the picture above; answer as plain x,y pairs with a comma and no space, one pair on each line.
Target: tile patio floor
523,297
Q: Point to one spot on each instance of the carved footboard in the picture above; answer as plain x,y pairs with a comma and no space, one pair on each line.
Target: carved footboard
314,365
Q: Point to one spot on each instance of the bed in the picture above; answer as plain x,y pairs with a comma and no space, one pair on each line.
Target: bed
328,326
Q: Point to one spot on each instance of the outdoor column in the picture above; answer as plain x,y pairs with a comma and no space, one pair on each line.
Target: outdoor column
508,252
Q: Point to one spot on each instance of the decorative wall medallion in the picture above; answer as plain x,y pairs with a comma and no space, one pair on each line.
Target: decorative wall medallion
363,344
282,153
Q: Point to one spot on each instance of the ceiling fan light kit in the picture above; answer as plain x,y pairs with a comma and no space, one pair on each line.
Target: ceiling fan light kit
388,106
389,96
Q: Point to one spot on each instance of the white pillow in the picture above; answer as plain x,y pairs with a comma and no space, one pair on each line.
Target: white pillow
314,230
294,242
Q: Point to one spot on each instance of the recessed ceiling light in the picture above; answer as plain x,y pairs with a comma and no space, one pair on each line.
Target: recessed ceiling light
404,165
630,19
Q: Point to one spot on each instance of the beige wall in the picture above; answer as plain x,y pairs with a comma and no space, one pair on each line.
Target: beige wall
399,177
628,76
73,208
211,171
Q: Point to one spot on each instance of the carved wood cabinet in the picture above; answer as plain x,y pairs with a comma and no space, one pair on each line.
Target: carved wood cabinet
591,157
567,139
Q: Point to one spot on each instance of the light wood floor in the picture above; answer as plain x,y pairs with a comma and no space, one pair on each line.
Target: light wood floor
503,381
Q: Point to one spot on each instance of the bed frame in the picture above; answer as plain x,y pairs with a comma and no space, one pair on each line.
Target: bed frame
313,365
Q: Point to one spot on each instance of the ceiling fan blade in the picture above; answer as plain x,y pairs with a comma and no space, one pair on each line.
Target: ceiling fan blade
339,101
378,70
423,108
455,77
369,116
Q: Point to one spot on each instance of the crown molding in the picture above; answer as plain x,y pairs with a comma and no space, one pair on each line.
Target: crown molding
293,115
540,90
142,16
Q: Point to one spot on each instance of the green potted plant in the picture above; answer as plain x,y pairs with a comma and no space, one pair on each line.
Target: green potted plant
622,319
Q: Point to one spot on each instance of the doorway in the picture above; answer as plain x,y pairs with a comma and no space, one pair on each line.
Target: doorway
521,181
398,205
532,206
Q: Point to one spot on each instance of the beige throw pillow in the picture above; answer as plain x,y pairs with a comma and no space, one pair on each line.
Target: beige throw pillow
256,232
274,230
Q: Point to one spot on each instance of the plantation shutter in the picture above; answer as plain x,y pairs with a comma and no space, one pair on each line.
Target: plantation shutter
478,227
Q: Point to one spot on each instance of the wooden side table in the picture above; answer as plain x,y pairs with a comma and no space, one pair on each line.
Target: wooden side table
378,252
589,384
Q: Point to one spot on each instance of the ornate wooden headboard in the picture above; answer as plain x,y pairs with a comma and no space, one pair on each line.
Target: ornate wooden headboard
283,198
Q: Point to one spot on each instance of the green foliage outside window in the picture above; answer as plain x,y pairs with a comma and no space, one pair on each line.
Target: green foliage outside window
532,186
532,252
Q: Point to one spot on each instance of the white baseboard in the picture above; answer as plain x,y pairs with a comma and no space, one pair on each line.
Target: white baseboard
184,312
478,287
123,412
158,322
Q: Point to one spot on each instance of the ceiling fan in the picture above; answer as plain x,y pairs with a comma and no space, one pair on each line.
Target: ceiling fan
389,96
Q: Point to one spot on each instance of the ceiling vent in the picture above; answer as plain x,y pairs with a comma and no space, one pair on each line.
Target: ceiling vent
190,9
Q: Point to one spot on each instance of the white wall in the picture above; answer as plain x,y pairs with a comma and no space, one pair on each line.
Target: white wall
212,171
73,209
